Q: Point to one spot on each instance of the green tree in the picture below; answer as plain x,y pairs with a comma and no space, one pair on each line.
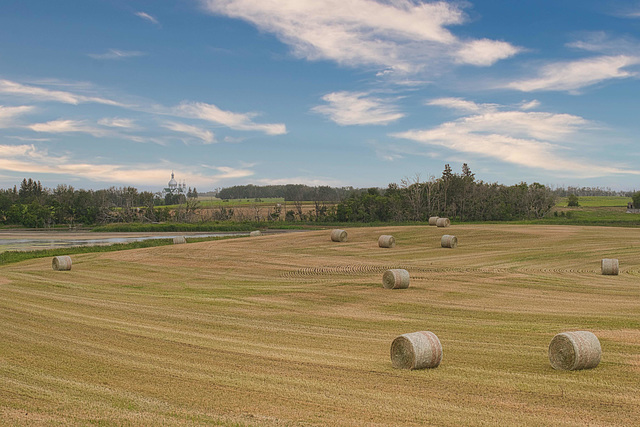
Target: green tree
573,200
636,200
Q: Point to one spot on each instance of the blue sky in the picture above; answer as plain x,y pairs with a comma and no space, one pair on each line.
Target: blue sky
325,92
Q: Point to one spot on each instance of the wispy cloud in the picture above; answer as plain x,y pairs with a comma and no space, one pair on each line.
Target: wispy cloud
238,121
41,94
357,108
529,105
537,140
191,110
573,75
8,114
463,105
405,36
306,180
147,17
117,122
116,54
28,159
206,136
67,126
226,172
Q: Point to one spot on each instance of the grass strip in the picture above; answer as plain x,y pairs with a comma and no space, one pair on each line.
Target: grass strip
10,257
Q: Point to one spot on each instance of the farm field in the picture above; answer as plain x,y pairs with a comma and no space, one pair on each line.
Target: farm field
597,201
294,329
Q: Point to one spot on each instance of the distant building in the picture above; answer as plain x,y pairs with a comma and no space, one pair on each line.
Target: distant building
174,188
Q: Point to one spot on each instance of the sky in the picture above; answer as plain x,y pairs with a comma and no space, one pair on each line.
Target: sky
359,93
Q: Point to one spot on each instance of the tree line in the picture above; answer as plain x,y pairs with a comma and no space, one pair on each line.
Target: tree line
33,205
456,196
459,196
290,192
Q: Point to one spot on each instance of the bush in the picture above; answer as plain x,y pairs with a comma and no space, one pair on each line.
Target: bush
636,200
573,200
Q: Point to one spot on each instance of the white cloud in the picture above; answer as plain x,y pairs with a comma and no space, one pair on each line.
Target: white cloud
67,126
357,108
8,114
228,173
205,135
305,180
238,121
484,52
529,105
41,94
28,159
532,139
116,122
192,110
574,75
147,17
399,35
462,105
116,54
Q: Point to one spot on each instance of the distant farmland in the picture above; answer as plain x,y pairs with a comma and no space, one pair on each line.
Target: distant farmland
295,329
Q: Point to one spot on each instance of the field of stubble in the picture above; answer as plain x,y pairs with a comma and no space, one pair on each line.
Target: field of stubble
293,329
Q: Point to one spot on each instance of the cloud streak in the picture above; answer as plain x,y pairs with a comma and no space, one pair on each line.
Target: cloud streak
116,54
206,136
573,75
187,109
357,108
147,17
40,94
67,126
237,121
532,139
28,159
8,114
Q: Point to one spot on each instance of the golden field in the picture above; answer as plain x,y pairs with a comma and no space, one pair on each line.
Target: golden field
293,329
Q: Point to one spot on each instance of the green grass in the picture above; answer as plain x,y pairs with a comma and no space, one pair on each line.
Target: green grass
597,201
211,202
201,226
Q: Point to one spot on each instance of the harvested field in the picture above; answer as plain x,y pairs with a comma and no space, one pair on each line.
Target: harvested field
294,329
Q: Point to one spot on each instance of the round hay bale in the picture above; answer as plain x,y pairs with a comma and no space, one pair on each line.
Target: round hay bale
179,240
396,278
417,350
255,233
610,267
61,263
433,220
386,241
338,236
570,351
443,222
449,241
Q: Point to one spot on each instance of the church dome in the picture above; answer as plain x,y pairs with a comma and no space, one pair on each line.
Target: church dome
173,183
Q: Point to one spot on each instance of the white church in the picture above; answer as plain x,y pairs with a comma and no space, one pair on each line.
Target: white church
174,187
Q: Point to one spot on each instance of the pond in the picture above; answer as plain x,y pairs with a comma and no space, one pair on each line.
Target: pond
34,240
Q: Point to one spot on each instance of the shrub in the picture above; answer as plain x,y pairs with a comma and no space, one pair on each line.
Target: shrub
573,200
